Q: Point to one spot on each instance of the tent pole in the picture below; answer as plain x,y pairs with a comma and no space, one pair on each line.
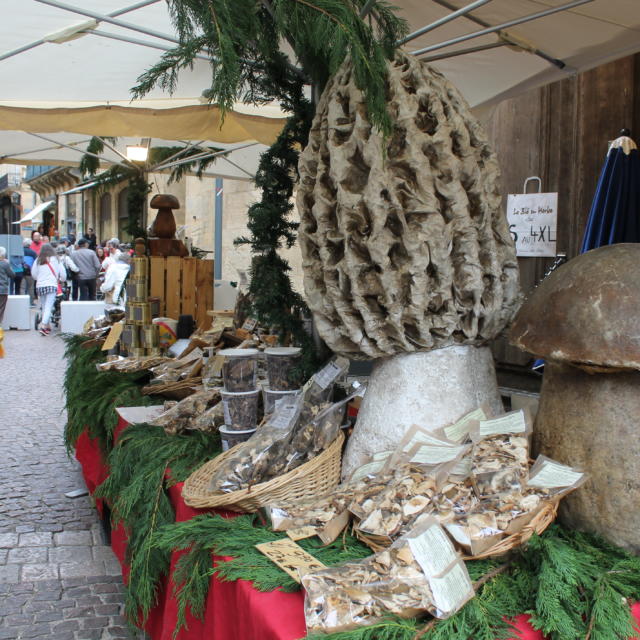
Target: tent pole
142,43
217,231
462,52
237,166
203,156
179,153
37,43
438,23
62,144
499,27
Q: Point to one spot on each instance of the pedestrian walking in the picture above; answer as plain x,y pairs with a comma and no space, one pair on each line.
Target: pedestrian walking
113,251
88,269
48,274
92,238
29,258
17,266
6,275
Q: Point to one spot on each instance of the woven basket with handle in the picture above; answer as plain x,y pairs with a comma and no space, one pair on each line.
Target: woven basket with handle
314,478
537,524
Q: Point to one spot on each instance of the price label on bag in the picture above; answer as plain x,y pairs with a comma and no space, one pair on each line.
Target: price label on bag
290,557
532,221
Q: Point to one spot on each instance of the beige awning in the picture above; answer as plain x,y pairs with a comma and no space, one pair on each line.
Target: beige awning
36,213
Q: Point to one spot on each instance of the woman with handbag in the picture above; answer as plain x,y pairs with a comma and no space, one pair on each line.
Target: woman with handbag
48,275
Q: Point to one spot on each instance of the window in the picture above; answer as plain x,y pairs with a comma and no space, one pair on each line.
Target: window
123,214
104,223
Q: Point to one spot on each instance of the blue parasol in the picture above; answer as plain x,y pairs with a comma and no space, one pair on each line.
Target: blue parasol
615,210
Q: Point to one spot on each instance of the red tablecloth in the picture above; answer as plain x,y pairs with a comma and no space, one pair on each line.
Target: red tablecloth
234,610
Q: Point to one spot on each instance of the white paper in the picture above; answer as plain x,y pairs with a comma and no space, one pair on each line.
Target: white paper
436,455
457,431
367,469
284,417
532,221
553,474
452,590
327,375
514,422
433,550
422,437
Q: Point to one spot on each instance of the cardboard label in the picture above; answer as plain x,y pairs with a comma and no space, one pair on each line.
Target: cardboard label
433,550
532,222
301,533
552,475
334,527
290,557
460,429
113,337
452,590
514,422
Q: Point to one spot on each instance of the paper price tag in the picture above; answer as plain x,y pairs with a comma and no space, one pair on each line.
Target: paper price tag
284,417
553,475
250,324
514,422
460,429
290,557
436,455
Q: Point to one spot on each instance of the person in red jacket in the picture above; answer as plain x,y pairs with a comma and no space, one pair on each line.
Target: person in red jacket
36,242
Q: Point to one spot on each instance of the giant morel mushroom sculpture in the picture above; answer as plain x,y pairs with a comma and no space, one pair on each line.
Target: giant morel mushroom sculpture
406,249
584,319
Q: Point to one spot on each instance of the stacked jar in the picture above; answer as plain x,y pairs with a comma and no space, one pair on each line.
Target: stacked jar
239,395
283,364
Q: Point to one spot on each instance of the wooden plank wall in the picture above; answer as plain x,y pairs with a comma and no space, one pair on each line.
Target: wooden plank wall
184,286
561,132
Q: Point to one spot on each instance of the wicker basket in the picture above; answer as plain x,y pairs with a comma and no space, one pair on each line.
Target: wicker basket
315,478
537,524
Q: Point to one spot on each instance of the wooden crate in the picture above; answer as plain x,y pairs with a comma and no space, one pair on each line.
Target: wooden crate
184,286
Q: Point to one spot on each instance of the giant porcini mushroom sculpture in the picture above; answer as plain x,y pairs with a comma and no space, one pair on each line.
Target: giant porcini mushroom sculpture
584,319
407,255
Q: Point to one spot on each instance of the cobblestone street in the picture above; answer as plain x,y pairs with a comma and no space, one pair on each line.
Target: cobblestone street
58,579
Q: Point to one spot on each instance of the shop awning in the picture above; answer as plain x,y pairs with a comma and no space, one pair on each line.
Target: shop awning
85,57
35,214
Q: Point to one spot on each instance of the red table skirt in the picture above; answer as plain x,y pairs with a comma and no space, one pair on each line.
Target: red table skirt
233,610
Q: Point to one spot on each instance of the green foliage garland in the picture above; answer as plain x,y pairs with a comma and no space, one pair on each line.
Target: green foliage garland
91,396
136,493
573,585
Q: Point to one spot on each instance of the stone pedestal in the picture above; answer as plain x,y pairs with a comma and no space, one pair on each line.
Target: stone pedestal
431,389
590,421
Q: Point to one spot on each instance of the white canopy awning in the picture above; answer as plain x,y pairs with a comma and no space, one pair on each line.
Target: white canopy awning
35,215
85,62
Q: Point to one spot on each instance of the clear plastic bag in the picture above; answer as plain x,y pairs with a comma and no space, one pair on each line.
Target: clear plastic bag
419,573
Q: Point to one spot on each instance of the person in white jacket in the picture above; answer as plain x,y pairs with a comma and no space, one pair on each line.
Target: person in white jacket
113,285
47,272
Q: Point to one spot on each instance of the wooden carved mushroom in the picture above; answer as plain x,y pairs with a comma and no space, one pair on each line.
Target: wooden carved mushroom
584,319
164,226
407,255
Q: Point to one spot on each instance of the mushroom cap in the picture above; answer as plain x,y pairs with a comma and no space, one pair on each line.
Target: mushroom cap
587,312
161,200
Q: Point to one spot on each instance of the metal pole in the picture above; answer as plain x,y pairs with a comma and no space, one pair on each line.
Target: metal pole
438,23
217,231
142,43
179,153
504,25
62,144
462,52
105,18
204,156
237,166
25,153
37,43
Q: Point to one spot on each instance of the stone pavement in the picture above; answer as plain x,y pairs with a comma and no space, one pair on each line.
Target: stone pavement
58,579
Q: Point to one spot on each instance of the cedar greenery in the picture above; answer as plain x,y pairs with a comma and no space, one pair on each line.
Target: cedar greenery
91,396
574,585
144,463
242,39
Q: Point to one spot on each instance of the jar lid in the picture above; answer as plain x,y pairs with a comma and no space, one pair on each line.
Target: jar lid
283,351
238,353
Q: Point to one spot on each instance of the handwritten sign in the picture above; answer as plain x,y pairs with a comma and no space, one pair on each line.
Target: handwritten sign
532,221
290,557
